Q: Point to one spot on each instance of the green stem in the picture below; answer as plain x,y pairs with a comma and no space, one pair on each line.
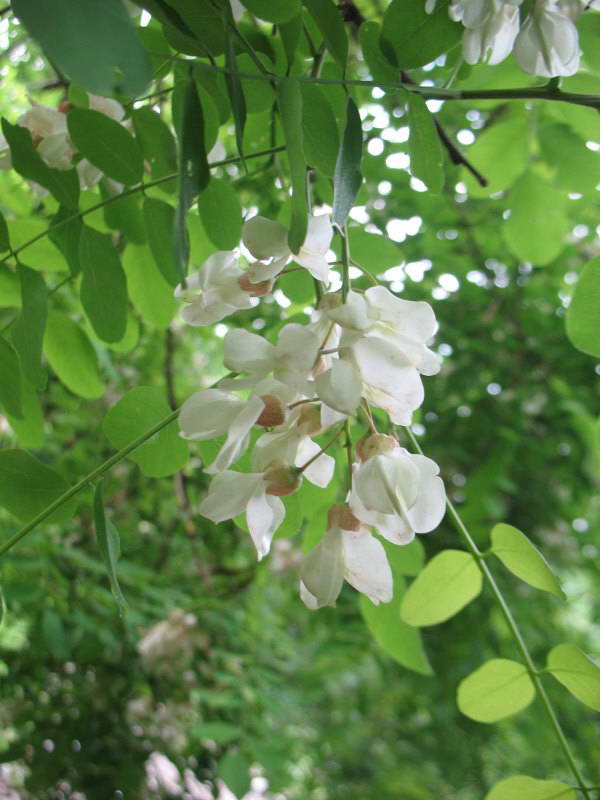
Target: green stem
349,452
85,482
346,286
515,631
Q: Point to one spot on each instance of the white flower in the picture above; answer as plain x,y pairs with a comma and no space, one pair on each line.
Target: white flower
347,551
214,291
256,494
492,40
107,106
396,492
42,121
267,239
290,360
548,42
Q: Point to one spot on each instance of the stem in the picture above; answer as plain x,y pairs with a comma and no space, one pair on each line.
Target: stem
85,482
346,286
349,453
515,631
316,455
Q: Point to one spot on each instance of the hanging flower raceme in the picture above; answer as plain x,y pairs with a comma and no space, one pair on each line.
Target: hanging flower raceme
268,242
347,551
396,492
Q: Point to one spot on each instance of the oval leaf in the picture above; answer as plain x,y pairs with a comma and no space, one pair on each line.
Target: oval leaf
273,12
28,330
449,581
424,145
71,356
134,414
583,314
159,219
496,690
107,144
103,285
329,21
234,771
28,487
416,37
109,545
221,214
522,787
10,379
348,177
321,139
149,292
289,100
577,672
523,559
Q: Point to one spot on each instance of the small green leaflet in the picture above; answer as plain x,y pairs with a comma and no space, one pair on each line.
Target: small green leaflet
10,379
522,787
321,139
109,545
221,214
92,43
577,672
424,145
103,285
71,356
63,184
64,234
273,12
123,213
583,314
523,559
496,690
149,292
28,487
379,66
156,142
290,33
417,38
329,21
347,179
234,771
159,219
449,581
106,144
28,330
4,239
236,94
289,100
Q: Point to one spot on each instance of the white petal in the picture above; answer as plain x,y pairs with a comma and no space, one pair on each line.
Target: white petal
265,238
388,370
322,569
429,509
395,529
247,352
296,353
387,483
281,444
309,600
228,495
366,566
353,314
340,387
321,470
238,435
264,515
261,271
207,414
415,319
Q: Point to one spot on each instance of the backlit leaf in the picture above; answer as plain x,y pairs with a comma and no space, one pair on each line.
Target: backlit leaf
71,356
583,314
289,100
221,214
417,38
28,330
523,559
424,144
577,672
329,22
497,689
522,787
10,379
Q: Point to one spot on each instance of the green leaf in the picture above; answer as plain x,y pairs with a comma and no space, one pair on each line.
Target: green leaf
379,66
219,732
348,177
449,581
407,559
92,43
107,144
290,33
156,142
510,138
575,166
134,414
151,295
577,672
123,213
28,330
41,254
259,94
329,21
321,138
417,38
109,545
10,288
71,356
234,768
523,559
373,251
65,235
29,430
424,145
522,787
498,689
63,184
103,285
273,12
538,223
235,91
289,100
4,238
54,635
221,214
28,487
194,173
159,218
202,20
399,640
10,379
583,314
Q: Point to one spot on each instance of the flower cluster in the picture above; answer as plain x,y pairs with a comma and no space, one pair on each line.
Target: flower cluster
359,350
545,43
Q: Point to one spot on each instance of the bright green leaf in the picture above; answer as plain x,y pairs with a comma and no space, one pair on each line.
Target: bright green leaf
424,145
159,218
500,153
29,430
523,559
4,237
289,100
28,330
28,487
348,177
496,690
329,21
109,545
576,166
449,581
417,38
321,138
221,214
103,285
577,672
65,233
583,314
151,295
522,787
71,356
273,12
379,66
156,142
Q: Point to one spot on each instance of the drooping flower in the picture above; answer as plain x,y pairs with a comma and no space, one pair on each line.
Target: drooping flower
347,551
492,40
548,42
396,492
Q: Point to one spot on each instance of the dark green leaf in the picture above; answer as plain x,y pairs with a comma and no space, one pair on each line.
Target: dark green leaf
71,356
234,768
583,314
290,33
221,214
159,219
201,20
424,145
92,43
103,285
329,21
10,379
4,238
134,414
109,545
28,330
417,38
123,214
379,66
321,139
289,100
348,177
156,142
107,144
54,635
273,12
235,91
62,184
65,235
28,487
29,430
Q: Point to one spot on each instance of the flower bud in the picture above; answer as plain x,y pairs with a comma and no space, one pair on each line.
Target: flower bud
259,289
374,445
310,420
329,301
282,479
273,413
342,517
